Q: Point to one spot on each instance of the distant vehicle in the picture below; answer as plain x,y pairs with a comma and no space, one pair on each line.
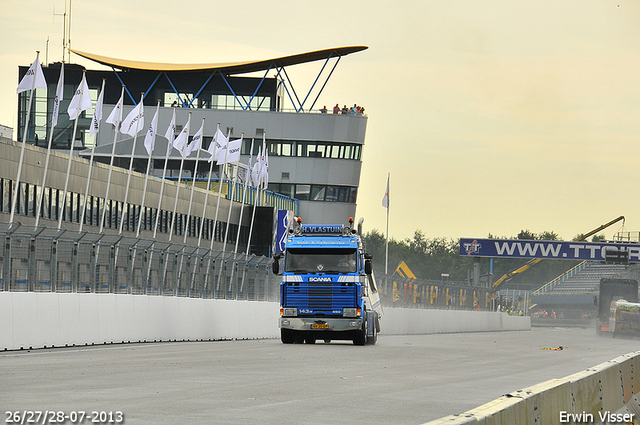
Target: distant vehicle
624,319
328,291
611,291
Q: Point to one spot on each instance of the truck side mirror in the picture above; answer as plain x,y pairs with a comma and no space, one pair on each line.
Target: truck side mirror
275,266
367,267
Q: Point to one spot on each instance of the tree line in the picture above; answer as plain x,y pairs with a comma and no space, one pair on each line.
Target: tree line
431,258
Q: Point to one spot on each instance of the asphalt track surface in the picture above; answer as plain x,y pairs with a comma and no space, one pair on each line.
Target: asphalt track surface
402,380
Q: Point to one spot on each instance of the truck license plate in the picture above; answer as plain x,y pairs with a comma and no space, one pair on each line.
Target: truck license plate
320,326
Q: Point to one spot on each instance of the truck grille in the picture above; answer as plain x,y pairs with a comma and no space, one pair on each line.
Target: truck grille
320,296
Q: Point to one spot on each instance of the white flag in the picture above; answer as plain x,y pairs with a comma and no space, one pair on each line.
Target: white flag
181,141
58,99
97,114
264,171
81,100
196,142
134,122
217,145
34,72
232,156
247,175
150,138
385,199
115,116
171,130
255,172
261,173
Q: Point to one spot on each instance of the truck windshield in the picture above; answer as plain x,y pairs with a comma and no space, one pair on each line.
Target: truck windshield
320,260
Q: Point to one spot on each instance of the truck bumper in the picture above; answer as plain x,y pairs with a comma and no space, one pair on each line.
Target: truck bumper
321,324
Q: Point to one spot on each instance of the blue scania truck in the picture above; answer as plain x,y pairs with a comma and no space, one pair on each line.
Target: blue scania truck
328,290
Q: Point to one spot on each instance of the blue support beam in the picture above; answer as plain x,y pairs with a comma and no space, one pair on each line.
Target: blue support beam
280,73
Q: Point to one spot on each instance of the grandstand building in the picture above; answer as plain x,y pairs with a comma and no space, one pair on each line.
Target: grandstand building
314,157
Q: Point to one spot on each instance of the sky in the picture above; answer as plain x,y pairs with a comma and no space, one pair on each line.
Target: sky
490,117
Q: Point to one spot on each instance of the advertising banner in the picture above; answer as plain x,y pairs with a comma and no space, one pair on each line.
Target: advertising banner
553,250
285,220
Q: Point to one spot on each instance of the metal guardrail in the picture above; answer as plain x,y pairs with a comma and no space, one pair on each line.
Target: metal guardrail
397,291
57,260
53,260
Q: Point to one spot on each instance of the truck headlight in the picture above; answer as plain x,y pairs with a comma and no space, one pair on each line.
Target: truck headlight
349,312
290,311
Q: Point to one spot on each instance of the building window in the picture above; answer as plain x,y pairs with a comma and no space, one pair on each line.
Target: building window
332,194
302,191
310,149
317,192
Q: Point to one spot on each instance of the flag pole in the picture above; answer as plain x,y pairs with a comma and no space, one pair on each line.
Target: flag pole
149,144
233,191
175,202
386,249
169,135
181,149
193,177
253,215
197,142
146,176
66,181
212,160
226,231
24,137
206,196
256,197
204,209
95,124
215,218
113,153
244,197
76,111
172,130
54,121
133,150
114,118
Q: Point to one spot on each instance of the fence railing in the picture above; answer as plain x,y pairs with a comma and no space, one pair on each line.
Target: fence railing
55,260
548,287
397,291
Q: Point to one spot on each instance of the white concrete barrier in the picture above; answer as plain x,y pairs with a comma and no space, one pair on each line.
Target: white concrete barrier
44,319
402,321
37,319
606,393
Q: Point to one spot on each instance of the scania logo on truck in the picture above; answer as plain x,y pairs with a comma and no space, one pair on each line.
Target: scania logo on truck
320,279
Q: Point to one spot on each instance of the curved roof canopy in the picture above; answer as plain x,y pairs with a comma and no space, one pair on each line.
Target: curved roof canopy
226,67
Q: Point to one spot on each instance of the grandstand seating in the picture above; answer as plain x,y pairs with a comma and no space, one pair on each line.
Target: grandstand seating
585,278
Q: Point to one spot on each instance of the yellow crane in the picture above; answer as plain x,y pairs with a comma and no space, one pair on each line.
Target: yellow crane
535,261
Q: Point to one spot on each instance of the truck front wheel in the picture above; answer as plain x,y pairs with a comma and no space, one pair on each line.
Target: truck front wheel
360,337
